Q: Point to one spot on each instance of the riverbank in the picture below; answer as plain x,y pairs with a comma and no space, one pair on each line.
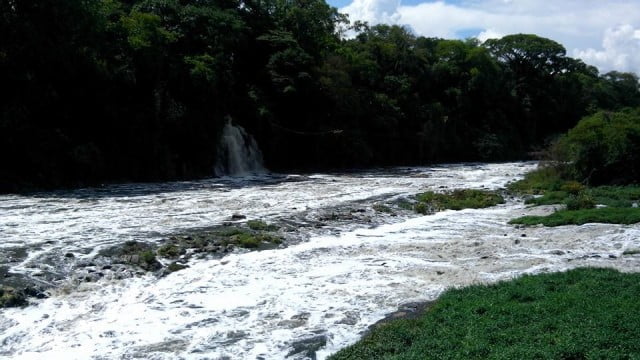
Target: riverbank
319,294
578,314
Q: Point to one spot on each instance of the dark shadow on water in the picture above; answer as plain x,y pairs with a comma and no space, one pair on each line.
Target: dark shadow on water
227,183
151,188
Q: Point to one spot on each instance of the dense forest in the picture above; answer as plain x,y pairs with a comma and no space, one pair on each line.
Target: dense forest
94,91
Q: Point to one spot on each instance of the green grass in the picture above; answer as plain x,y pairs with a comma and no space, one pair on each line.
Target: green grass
170,251
430,201
250,239
174,266
579,217
382,208
538,181
580,314
579,200
613,196
260,225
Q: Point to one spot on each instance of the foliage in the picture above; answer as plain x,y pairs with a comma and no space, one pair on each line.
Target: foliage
260,225
579,200
541,180
174,266
604,148
608,215
147,257
430,201
252,237
114,90
382,208
170,251
578,314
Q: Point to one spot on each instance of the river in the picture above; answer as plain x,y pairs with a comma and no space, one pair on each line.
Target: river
305,300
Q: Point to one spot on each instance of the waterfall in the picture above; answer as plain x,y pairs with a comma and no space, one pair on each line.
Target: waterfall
238,153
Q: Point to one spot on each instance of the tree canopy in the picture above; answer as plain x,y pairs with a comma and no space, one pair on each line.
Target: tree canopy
133,90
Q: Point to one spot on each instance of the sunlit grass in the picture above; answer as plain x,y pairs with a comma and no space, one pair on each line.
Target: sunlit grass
580,314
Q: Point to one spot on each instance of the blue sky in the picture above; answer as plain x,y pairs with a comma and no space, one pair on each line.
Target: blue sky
602,33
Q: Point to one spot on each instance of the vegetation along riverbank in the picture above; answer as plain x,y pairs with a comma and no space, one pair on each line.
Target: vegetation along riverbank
579,314
592,174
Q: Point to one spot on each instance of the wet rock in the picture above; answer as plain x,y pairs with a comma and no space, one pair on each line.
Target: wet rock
523,235
516,241
307,347
69,255
235,336
350,318
238,217
557,252
12,297
406,311
174,266
292,323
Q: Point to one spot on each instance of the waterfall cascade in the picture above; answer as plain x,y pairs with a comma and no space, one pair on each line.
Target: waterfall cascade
238,153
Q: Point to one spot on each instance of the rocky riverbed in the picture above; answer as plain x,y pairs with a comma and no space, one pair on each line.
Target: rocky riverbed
337,254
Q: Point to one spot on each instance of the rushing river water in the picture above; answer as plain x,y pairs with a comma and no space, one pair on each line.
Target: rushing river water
305,300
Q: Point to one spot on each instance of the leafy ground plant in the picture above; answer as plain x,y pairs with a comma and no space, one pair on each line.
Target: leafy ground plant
620,201
580,314
579,217
430,202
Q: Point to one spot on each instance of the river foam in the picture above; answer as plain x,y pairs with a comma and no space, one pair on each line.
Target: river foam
309,299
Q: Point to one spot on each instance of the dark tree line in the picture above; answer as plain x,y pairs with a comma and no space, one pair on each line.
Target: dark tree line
132,90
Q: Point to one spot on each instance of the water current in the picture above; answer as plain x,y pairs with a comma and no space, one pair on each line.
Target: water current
306,300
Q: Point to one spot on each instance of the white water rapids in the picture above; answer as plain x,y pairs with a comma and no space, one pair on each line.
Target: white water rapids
259,305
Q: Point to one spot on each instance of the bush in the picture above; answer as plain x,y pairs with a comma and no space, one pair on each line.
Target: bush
573,187
581,201
603,148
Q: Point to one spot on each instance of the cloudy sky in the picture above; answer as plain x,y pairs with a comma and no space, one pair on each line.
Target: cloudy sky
604,33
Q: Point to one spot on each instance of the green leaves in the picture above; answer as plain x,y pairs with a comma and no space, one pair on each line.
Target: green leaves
604,147
145,30
526,52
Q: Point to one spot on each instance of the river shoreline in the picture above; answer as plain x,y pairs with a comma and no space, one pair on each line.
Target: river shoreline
325,291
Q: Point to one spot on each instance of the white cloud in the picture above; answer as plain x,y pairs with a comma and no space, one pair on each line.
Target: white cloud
621,50
490,33
579,25
373,11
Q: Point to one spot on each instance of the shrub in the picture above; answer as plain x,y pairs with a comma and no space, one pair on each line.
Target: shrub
147,257
572,187
581,201
603,148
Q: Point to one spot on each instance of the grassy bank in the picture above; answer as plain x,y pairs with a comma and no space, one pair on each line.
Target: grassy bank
579,217
618,204
580,314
